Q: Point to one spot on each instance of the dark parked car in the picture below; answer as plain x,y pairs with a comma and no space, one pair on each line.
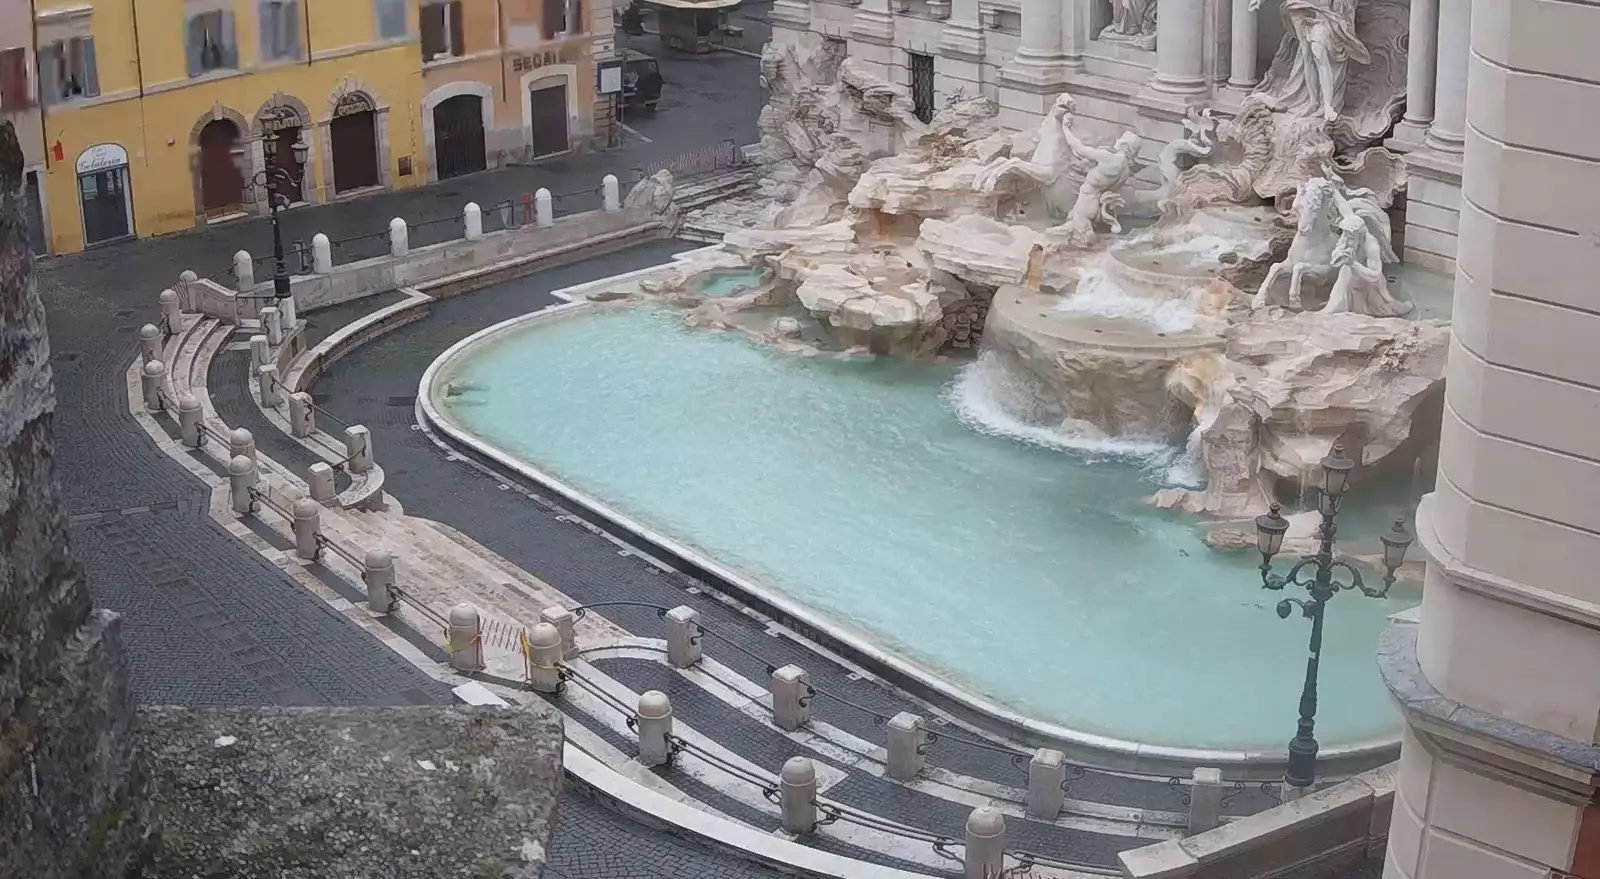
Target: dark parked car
641,80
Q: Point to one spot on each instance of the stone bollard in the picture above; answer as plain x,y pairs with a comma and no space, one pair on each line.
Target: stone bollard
171,312
544,658
302,417
358,445
320,482
466,638
399,238
271,391
377,571
565,621
187,277
906,738
260,352
321,254
244,272
610,193
797,796
544,211
241,478
791,698
472,219
150,342
272,322
286,315
653,721
1047,775
189,417
683,636
307,520
1205,800
242,442
986,843
151,377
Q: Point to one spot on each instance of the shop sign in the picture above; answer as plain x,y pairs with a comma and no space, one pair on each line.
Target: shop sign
536,60
351,104
100,157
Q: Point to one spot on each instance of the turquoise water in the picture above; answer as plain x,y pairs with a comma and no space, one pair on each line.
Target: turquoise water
1037,576
726,282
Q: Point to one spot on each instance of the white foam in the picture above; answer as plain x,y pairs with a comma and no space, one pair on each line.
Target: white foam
1099,295
973,397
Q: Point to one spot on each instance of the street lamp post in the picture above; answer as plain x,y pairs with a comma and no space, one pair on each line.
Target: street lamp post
1320,587
274,179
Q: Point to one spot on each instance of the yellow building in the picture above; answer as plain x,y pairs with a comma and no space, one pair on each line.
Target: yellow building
154,110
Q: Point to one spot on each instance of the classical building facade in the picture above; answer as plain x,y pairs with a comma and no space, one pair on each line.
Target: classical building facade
1499,681
19,105
1139,64
510,80
155,110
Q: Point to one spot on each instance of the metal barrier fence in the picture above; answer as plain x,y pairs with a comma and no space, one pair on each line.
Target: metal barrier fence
717,157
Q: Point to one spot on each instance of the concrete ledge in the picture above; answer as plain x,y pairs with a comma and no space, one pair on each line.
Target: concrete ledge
1317,835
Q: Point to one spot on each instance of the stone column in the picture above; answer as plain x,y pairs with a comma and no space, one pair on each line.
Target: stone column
1421,57
1043,51
1180,46
1495,677
872,39
1448,131
1242,60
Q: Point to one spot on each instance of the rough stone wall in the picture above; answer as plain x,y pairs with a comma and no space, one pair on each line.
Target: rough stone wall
73,790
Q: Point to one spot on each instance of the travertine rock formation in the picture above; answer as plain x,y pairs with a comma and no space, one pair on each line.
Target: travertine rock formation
74,792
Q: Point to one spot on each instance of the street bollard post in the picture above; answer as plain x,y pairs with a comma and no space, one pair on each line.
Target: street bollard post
378,573
321,254
544,208
241,478
544,658
565,622
272,323
1205,800
683,636
1047,775
466,638
906,738
307,520
302,415
472,220
267,383
358,445
150,342
791,697
653,722
260,353
189,417
244,272
797,796
151,377
611,192
320,483
171,312
986,844
399,238
241,442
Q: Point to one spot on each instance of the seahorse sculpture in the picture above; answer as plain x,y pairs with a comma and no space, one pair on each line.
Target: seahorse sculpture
1232,182
1198,140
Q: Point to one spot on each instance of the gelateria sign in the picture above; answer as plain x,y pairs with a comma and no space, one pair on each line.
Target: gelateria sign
536,60
101,157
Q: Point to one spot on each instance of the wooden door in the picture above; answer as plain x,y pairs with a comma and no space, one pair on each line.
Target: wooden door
355,151
548,114
458,137
221,182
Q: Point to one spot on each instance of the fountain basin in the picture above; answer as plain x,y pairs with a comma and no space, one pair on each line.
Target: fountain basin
1027,588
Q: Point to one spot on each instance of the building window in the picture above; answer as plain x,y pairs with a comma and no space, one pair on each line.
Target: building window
922,85
391,19
280,29
15,92
442,30
210,43
555,18
67,70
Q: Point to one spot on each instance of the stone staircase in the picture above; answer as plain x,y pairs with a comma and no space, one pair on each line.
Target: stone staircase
696,196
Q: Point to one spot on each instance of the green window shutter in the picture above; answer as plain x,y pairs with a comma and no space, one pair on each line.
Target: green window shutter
49,73
91,71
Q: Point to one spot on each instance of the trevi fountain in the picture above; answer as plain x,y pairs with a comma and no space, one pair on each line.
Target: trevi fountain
992,410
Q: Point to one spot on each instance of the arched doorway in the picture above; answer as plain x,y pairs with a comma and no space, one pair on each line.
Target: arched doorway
458,137
353,135
280,128
221,182
547,116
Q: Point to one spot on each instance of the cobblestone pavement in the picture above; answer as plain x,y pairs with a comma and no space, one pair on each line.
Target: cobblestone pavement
376,385
707,99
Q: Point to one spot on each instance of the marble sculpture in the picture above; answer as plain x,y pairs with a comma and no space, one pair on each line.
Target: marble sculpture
1105,296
